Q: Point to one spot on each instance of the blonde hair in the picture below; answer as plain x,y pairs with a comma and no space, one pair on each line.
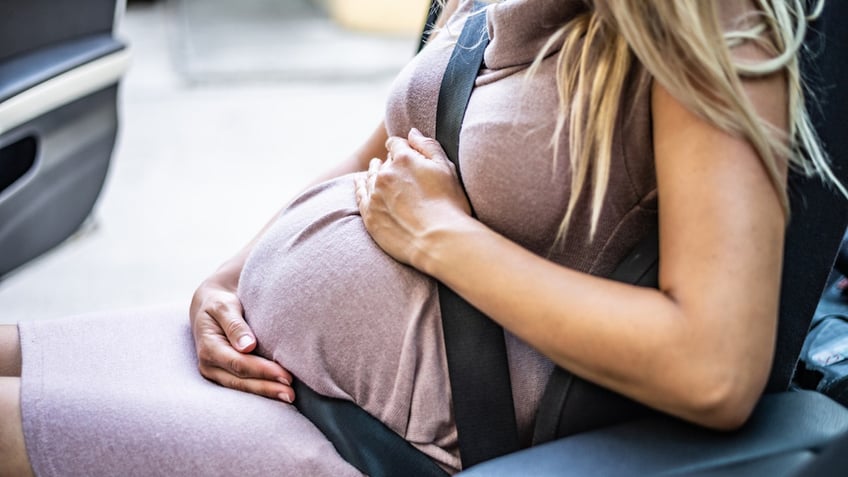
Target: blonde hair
681,44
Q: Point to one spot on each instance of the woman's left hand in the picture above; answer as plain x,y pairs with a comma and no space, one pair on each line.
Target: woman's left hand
410,197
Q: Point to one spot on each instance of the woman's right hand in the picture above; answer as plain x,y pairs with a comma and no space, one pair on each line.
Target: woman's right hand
222,338
224,343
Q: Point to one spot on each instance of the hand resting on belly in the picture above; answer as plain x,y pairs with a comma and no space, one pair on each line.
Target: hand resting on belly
348,320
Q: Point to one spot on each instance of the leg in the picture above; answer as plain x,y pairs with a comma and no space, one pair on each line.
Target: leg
10,351
120,394
13,456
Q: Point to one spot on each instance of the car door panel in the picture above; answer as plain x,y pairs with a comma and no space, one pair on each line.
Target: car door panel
59,75
32,24
23,72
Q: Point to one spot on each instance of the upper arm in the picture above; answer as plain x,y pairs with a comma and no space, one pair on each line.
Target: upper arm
374,146
722,226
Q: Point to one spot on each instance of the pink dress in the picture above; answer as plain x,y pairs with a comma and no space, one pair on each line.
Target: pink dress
121,395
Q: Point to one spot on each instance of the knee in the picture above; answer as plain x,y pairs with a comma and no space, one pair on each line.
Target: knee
13,456
10,351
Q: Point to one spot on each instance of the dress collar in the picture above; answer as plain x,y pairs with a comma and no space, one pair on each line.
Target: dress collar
520,28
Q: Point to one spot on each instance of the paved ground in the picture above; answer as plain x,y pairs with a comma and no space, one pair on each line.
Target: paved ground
209,147
267,40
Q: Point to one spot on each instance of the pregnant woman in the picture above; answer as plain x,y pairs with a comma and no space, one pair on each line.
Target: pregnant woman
588,121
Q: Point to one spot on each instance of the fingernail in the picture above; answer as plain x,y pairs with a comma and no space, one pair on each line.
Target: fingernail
245,341
415,132
284,381
284,397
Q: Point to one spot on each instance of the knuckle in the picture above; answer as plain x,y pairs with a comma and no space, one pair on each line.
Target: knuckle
204,370
430,143
403,156
380,180
204,355
235,383
394,142
236,367
233,328
383,180
217,307
266,391
211,373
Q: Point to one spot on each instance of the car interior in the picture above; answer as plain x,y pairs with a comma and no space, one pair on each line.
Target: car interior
58,123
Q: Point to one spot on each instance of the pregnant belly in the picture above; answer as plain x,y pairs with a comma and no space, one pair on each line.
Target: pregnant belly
347,319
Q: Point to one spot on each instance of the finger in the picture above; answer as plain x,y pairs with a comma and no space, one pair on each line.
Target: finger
396,146
362,198
428,147
402,152
391,142
374,166
217,353
357,190
229,318
261,387
371,179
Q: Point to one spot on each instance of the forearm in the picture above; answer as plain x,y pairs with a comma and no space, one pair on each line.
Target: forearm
636,341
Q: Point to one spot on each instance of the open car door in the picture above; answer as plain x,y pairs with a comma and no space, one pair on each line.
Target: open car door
60,64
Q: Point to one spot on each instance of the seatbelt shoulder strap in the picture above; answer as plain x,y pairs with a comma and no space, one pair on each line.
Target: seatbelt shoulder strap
475,347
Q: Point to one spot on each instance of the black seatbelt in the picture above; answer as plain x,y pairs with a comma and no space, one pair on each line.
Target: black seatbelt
475,347
474,344
361,439
367,443
570,404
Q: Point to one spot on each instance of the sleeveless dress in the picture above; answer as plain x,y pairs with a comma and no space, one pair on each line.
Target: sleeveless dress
121,395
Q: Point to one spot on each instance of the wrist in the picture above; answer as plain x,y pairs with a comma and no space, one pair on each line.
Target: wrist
227,275
436,247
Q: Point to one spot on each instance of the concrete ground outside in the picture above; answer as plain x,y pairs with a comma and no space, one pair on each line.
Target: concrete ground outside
218,131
